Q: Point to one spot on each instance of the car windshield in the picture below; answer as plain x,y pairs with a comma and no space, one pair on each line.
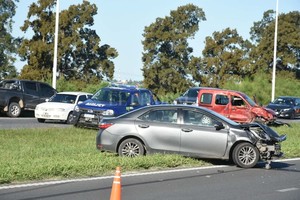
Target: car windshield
63,98
249,100
191,93
115,96
284,101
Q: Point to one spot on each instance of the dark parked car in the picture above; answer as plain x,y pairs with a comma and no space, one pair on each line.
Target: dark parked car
286,106
19,95
188,130
189,97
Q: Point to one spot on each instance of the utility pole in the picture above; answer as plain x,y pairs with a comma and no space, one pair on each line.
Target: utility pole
54,72
275,49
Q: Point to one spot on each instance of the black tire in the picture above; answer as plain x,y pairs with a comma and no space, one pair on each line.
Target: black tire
41,120
70,119
293,115
131,148
245,155
14,110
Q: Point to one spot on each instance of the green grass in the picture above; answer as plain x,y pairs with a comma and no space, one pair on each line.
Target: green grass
49,154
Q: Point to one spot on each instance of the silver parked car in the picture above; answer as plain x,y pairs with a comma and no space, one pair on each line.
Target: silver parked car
191,131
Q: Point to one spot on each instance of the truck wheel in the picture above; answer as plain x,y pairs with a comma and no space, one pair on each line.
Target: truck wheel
245,155
14,110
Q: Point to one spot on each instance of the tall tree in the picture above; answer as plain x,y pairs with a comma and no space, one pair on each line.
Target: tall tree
80,55
167,54
7,41
225,57
288,41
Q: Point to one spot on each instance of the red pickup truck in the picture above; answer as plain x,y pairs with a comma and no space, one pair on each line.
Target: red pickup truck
234,105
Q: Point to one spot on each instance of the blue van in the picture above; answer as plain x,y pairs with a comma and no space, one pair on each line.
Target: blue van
110,102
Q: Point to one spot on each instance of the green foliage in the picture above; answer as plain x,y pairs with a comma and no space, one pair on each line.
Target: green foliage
260,86
39,154
288,41
7,42
167,53
79,54
224,58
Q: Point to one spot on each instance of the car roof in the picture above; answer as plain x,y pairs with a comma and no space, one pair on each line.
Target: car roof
163,106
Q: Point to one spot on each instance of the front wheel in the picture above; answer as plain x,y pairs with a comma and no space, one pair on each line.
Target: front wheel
14,110
293,115
245,155
131,148
70,119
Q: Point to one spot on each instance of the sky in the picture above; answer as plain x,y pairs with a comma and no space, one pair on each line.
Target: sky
121,23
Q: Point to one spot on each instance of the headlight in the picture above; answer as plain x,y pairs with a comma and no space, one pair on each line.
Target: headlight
76,109
108,113
260,133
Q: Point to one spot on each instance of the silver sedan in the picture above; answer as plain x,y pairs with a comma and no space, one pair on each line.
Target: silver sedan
188,130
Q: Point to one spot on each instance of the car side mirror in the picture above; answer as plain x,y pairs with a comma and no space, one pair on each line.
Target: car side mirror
219,125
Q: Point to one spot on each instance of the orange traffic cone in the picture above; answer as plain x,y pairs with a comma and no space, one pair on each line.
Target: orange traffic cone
116,187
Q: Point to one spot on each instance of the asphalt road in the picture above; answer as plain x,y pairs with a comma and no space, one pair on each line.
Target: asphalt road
217,182
27,120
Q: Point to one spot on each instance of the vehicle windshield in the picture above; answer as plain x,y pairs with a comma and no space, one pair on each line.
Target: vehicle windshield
285,101
63,98
114,96
191,93
249,100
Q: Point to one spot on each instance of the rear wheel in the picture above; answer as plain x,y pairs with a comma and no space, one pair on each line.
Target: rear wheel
14,110
131,148
245,155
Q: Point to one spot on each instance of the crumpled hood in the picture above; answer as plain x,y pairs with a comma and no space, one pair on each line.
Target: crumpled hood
270,132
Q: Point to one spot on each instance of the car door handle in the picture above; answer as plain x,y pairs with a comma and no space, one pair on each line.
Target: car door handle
144,126
187,130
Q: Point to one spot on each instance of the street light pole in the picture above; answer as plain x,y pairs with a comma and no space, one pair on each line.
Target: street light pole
54,72
275,49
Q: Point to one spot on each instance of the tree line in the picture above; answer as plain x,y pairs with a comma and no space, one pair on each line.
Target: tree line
169,65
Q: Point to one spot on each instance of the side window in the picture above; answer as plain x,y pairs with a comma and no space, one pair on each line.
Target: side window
145,98
206,98
135,99
31,88
297,102
237,101
221,99
165,116
197,118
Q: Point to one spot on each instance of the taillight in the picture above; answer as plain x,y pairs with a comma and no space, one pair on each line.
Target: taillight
105,125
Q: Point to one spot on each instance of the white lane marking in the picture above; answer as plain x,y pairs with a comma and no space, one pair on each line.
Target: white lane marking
288,190
107,177
125,175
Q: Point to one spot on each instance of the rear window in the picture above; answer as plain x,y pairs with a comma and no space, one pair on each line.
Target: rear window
206,98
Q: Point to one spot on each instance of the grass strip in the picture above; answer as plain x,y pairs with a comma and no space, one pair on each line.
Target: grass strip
54,153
